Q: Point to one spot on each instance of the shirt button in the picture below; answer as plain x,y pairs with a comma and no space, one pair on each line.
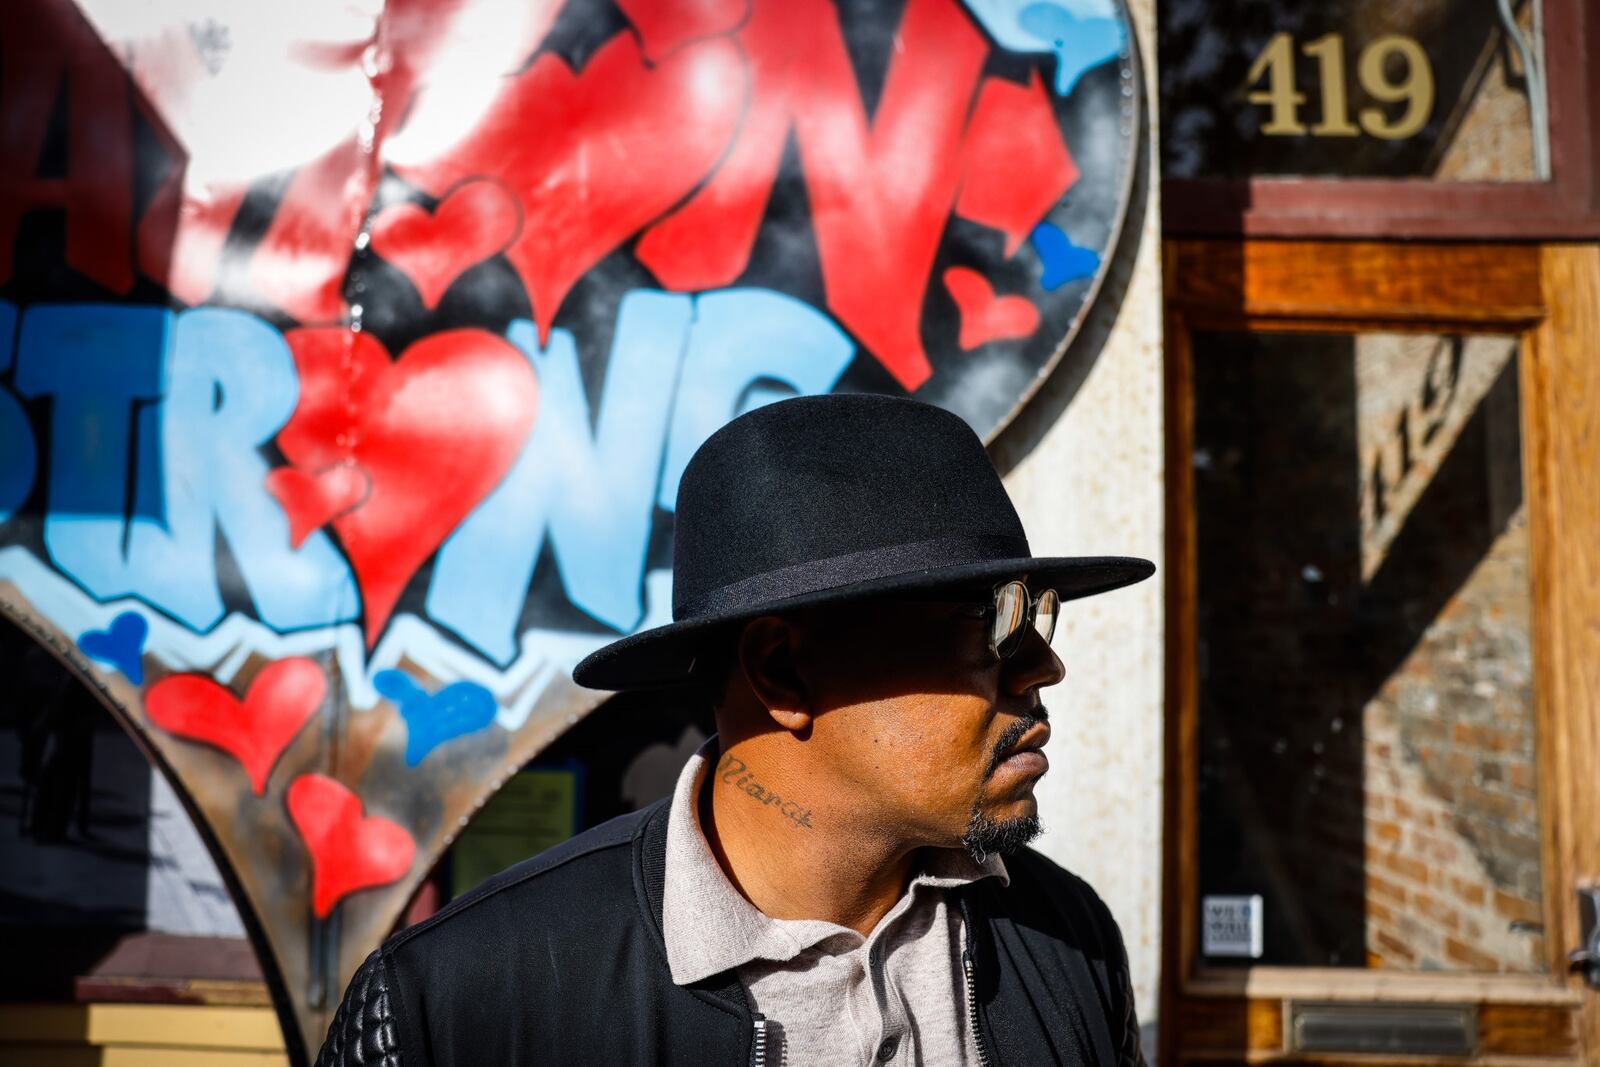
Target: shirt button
886,1049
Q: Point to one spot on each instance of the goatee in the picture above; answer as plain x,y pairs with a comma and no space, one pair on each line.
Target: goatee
985,837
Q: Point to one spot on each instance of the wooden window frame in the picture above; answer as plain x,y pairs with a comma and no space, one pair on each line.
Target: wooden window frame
1566,207
1548,296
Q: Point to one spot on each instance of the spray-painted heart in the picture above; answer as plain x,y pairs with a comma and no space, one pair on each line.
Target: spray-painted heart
254,731
474,221
312,499
986,317
1063,261
434,431
596,156
433,718
121,645
348,851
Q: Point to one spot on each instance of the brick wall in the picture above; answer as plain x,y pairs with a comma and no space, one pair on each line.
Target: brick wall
1451,823
1452,836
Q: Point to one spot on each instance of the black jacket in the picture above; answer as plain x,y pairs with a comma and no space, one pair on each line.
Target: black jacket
560,960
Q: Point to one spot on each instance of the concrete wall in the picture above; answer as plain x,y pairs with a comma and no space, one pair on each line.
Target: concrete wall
1084,462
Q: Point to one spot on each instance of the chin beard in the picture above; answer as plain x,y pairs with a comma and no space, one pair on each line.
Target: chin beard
985,837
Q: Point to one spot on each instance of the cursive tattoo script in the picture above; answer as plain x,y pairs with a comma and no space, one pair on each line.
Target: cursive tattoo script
735,772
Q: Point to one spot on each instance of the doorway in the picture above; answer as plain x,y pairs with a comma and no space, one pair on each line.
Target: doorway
1384,563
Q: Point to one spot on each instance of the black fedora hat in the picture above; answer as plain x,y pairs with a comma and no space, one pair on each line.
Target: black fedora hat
824,499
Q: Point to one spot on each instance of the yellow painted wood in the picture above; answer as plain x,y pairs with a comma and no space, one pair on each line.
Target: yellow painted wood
164,1026
122,1056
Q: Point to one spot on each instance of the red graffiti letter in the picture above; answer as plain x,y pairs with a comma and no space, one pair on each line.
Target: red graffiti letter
300,263
1015,167
46,42
880,193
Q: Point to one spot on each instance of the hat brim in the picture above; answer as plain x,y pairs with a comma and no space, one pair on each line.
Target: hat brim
664,656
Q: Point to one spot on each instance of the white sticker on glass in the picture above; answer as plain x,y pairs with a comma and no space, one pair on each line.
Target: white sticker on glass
1231,926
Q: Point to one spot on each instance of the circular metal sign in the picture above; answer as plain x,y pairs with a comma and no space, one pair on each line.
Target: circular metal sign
350,354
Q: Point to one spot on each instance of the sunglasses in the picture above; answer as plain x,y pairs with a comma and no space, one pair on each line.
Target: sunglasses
1015,610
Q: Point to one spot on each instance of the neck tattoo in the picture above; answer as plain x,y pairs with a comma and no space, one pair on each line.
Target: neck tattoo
735,772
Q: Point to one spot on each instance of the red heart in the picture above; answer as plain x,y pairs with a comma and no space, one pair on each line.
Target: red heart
984,316
594,157
255,731
477,219
311,499
435,431
348,852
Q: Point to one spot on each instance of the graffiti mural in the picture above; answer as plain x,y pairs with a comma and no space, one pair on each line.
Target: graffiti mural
350,356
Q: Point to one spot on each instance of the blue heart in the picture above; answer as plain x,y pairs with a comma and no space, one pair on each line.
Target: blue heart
1080,45
1063,261
433,718
121,645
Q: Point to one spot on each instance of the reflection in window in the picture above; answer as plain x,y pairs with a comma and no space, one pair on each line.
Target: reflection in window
1450,90
1365,675
102,875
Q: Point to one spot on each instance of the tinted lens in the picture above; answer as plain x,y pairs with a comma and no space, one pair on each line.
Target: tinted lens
1044,619
1010,612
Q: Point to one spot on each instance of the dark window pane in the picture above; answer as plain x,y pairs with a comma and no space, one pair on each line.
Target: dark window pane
1366,706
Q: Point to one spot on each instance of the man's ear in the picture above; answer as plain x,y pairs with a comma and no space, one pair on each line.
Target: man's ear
767,658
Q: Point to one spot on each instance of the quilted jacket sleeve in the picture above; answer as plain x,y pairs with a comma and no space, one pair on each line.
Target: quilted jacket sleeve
364,1031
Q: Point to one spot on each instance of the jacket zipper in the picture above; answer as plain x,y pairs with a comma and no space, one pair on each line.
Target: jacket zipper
972,1009
972,984
758,1047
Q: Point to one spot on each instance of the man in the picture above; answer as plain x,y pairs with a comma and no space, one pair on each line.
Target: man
853,592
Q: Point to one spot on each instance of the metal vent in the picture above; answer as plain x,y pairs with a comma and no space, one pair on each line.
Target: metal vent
1343,1026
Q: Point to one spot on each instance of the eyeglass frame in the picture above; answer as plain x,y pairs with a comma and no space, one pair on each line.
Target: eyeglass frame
1029,619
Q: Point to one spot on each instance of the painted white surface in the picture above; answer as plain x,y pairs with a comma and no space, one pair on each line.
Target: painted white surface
1092,485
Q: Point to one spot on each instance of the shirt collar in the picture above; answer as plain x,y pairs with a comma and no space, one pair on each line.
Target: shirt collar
709,926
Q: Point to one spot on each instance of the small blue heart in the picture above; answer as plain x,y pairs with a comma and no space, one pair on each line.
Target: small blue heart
121,645
1063,261
433,718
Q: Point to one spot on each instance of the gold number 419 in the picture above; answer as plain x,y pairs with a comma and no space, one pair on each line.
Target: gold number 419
1415,88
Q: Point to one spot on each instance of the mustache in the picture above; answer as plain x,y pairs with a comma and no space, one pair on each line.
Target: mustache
1013,734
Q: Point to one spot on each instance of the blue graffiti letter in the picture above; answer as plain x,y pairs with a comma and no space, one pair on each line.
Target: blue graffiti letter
232,387
745,342
592,493
184,401
18,456
97,363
